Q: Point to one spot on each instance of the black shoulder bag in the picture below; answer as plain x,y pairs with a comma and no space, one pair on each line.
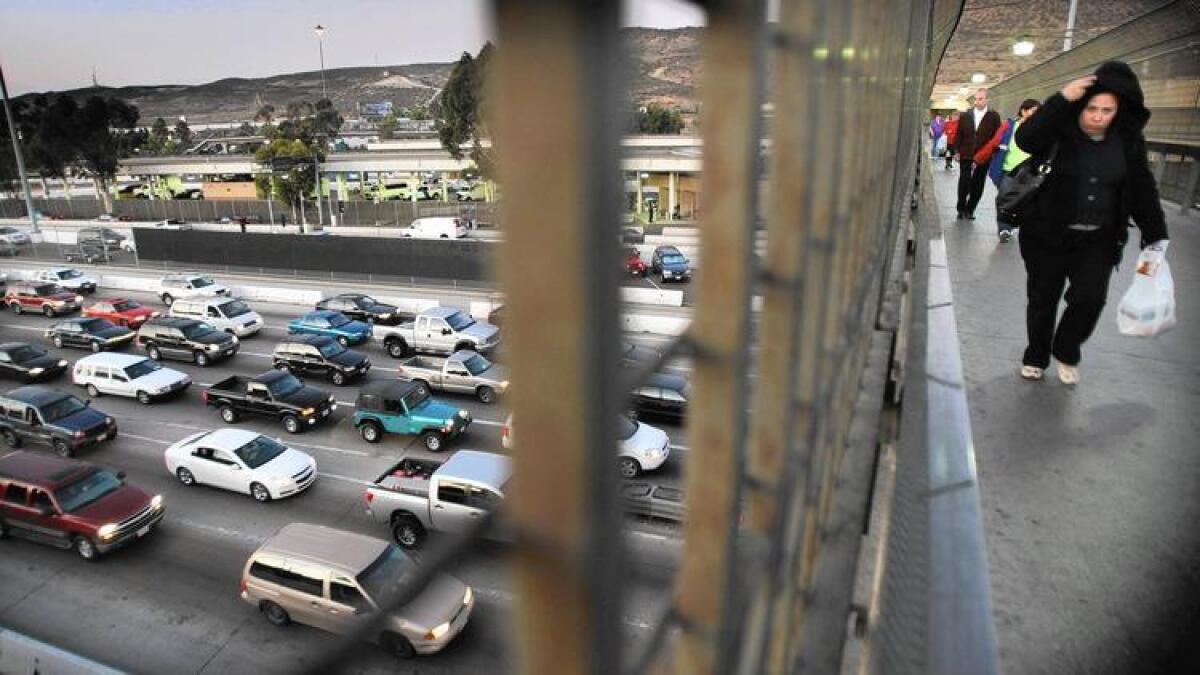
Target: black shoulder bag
1024,183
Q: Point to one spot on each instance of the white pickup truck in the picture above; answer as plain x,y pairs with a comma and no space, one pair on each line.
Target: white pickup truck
417,496
440,330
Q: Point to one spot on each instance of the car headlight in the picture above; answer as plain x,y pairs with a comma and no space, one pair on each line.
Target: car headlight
468,596
79,298
307,411
36,371
235,339
157,502
438,632
212,348
464,414
62,363
108,420
504,385
108,531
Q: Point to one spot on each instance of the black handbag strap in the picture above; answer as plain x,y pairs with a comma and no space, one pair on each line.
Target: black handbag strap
1045,166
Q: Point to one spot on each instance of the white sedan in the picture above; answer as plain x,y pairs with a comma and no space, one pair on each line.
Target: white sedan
241,461
640,447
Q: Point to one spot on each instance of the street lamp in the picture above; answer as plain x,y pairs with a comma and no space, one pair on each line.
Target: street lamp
1023,47
319,30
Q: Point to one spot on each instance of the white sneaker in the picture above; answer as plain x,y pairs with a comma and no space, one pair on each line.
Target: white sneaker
1031,372
1068,374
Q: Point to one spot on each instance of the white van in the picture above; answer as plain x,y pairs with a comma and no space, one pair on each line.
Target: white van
441,227
128,375
227,314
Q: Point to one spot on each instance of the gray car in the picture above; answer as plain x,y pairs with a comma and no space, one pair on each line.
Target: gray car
465,372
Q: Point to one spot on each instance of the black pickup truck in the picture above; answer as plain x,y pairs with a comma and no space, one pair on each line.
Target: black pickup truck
273,394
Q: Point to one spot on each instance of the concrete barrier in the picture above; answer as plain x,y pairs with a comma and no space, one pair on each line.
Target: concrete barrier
659,325
650,296
23,655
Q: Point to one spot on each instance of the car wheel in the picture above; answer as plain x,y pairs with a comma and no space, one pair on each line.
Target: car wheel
96,347
337,377
185,476
433,441
291,424
485,394
370,432
85,548
201,359
397,349
143,398
408,531
397,645
15,307
343,341
58,341
167,299
153,353
11,439
93,391
228,414
629,467
260,492
274,613
61,448
48,310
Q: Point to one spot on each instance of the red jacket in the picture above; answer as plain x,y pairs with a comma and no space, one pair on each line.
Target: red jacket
984,154
951,132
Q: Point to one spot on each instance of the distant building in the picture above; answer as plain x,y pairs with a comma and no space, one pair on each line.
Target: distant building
375,111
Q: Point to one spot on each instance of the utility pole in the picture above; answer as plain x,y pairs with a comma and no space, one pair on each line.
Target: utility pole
320,31
16,141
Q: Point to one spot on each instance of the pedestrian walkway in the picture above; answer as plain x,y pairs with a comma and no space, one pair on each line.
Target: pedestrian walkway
1091,495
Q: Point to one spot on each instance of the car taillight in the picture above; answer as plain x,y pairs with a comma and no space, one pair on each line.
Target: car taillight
369,496
504,431
204,397
242,585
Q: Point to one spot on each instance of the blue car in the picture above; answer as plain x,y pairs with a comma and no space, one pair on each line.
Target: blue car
336,325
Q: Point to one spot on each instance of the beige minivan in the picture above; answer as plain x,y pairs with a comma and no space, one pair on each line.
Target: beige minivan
337,581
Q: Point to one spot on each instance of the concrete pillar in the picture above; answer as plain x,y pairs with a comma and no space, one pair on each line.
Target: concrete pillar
672,179
1189,189
1160,167
639,193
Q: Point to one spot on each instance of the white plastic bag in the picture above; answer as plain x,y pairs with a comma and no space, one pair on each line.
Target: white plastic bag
1148,307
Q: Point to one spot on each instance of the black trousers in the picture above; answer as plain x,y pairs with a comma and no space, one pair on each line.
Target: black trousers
970,185
1085,260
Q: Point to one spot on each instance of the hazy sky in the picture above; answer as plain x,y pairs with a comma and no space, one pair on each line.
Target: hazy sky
48,45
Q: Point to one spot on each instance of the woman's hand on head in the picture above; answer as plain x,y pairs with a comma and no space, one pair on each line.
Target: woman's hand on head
1075,89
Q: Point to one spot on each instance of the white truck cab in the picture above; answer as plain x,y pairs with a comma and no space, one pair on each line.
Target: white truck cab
69,278
228,314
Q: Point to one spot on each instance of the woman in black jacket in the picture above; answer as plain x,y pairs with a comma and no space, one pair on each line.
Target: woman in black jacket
1076,226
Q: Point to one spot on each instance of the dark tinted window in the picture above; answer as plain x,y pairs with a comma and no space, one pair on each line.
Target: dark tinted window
15,494
347,595
288,578
454,494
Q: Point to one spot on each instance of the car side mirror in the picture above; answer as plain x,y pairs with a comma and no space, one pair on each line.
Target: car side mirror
121,475
88,403
445,331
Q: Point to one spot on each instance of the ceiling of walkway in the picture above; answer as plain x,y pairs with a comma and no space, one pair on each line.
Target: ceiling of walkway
983,40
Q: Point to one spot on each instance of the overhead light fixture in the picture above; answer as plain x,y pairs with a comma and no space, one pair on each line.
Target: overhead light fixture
1023,47
964,90
979,78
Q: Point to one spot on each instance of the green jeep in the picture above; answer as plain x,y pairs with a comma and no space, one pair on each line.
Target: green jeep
407,408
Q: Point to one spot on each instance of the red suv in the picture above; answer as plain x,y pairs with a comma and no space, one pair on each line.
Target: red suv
39,296
72,504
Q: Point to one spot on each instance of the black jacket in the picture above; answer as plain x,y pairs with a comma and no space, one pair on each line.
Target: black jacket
1054,206
970,139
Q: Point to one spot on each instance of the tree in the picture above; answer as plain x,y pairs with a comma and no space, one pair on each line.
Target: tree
265,114
416,112
326,121
460,121
159,141
293,174
183,135
387,127
656,119
104,128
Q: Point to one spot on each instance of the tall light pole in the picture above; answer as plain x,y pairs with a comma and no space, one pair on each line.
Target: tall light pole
16,141
320,32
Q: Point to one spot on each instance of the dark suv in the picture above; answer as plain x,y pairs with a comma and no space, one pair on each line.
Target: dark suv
320,355
39,296
56,418
186,340
72,504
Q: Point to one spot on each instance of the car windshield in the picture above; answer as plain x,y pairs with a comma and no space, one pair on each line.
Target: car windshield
331,349
336,320
46,289
415,397
626,428
365,301
7,230
97,325
125,305
674,260
234,308
460,321
201,282
142,368
70,274
260,451
477,364
25,353
198,330
75,496
389,578
285,386
63,407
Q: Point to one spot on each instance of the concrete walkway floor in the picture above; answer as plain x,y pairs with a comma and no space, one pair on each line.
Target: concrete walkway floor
1091,494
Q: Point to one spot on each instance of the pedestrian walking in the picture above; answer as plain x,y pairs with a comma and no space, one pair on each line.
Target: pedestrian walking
1075,227
937,129
1008,157
976,127
951,131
